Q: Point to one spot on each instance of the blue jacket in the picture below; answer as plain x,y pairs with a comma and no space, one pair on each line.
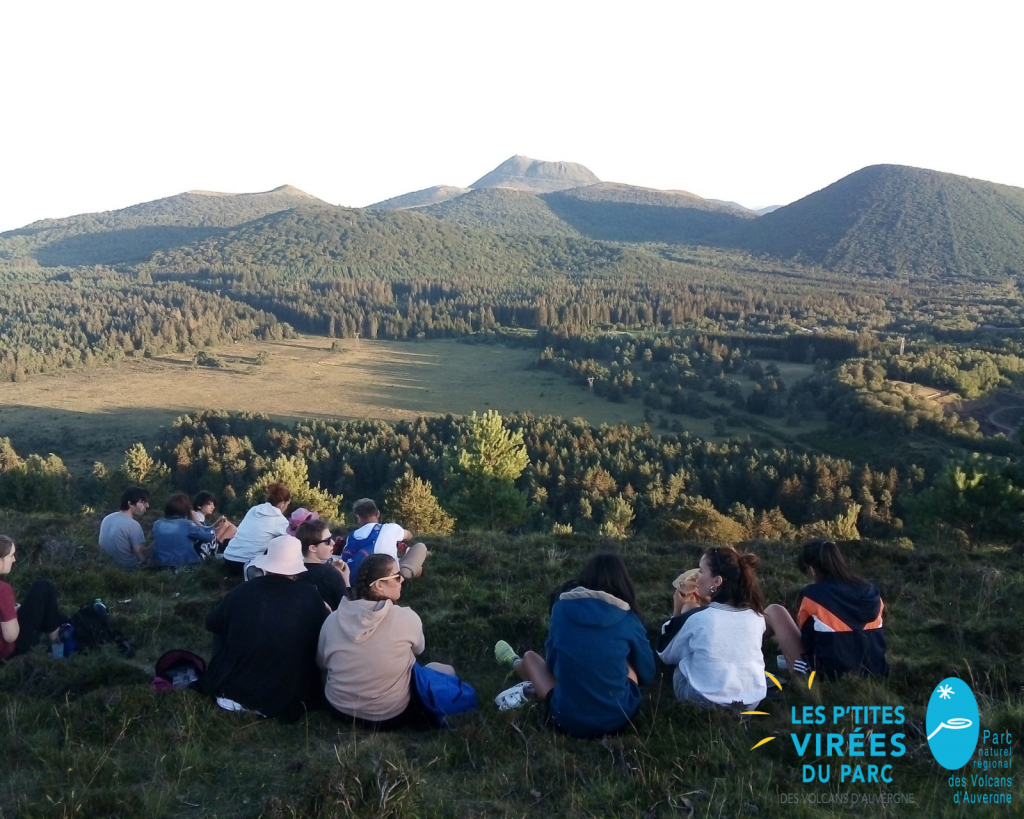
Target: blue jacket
174,539
592,637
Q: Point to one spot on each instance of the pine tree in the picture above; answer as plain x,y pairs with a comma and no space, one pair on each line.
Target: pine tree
482,478
411,501
293,472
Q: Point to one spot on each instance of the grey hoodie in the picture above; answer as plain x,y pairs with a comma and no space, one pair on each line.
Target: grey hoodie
367,648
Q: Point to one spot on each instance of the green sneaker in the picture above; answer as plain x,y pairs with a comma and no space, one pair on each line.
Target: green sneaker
504,653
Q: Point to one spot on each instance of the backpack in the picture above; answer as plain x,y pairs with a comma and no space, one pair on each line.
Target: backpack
93,628
356,550
177,670
443,694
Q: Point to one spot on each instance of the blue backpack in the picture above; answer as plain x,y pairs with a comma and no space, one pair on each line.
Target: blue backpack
443,694
355,550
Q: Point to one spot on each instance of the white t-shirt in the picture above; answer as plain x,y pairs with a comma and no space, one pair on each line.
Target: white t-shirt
387,541
718,650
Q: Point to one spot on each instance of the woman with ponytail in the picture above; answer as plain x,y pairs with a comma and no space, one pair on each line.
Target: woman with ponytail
368,648
838,627
717,652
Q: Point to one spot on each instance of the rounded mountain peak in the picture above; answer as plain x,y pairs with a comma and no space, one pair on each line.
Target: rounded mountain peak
536,176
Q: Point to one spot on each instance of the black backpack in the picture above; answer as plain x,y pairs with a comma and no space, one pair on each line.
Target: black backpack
93,628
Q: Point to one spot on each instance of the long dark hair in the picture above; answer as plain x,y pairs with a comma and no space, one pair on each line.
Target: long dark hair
372,569
825,558
740,586
606,572
6,544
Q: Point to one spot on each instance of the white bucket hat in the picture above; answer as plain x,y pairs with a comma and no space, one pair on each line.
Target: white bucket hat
284,556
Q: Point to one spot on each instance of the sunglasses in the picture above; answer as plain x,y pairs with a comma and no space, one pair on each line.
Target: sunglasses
397,577
325,540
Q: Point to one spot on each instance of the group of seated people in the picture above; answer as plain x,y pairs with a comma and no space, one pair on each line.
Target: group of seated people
308,630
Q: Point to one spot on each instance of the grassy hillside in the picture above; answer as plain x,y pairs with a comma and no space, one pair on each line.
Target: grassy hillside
631,214
132,234
502,210
417,199
892,220
87,737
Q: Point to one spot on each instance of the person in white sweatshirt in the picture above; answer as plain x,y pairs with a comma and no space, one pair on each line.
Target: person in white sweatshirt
260,525
717,652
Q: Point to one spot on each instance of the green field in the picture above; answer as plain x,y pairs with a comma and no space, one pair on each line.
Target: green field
88,415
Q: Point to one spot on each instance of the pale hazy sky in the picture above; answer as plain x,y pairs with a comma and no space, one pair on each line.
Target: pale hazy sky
106,104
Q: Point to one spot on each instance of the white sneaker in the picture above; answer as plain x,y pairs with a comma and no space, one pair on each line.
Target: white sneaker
515,697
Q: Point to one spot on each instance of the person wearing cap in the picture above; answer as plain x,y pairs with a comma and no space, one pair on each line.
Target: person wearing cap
378,538
265,639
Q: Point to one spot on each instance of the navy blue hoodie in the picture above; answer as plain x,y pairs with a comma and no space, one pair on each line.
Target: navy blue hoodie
592,637
841,628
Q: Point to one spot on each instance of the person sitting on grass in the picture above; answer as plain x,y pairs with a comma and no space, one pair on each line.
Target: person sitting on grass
38,613
328,574
265,635
177,539
373,537
368,648
204,504
838,628
717,652
121,535
685,601
260,525
597,655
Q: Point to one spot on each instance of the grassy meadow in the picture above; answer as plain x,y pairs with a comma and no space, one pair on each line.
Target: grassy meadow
88,415
87,737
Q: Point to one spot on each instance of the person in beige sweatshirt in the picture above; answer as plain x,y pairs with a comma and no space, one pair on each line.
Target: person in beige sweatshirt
368,648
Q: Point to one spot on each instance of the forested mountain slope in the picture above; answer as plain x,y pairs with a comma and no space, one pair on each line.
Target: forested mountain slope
419,199
502,210
132,234
892,220
627,213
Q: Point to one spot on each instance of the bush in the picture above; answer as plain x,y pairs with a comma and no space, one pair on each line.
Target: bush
412,503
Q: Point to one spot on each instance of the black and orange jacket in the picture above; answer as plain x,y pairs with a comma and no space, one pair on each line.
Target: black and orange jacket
841,628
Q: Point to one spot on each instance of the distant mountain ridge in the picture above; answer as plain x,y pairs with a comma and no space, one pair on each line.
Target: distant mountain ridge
536,176
419,199
894,220
132,234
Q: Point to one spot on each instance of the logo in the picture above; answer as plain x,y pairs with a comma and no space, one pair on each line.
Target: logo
952,723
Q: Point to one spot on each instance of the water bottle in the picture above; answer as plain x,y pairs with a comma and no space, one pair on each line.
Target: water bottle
67,637
99,602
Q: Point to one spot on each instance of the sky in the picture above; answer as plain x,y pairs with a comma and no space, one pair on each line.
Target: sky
107,104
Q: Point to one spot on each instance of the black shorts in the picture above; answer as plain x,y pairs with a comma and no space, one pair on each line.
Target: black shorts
415,716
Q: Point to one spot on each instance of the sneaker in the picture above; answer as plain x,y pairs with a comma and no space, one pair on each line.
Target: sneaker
515,697
504,653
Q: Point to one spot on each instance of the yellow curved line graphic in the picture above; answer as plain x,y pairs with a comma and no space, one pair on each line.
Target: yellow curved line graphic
762,742
771,677
810,680
763,713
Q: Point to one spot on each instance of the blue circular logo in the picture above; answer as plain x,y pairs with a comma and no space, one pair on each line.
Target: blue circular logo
952,723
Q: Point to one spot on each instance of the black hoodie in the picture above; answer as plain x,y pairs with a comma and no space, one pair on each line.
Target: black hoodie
841,628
